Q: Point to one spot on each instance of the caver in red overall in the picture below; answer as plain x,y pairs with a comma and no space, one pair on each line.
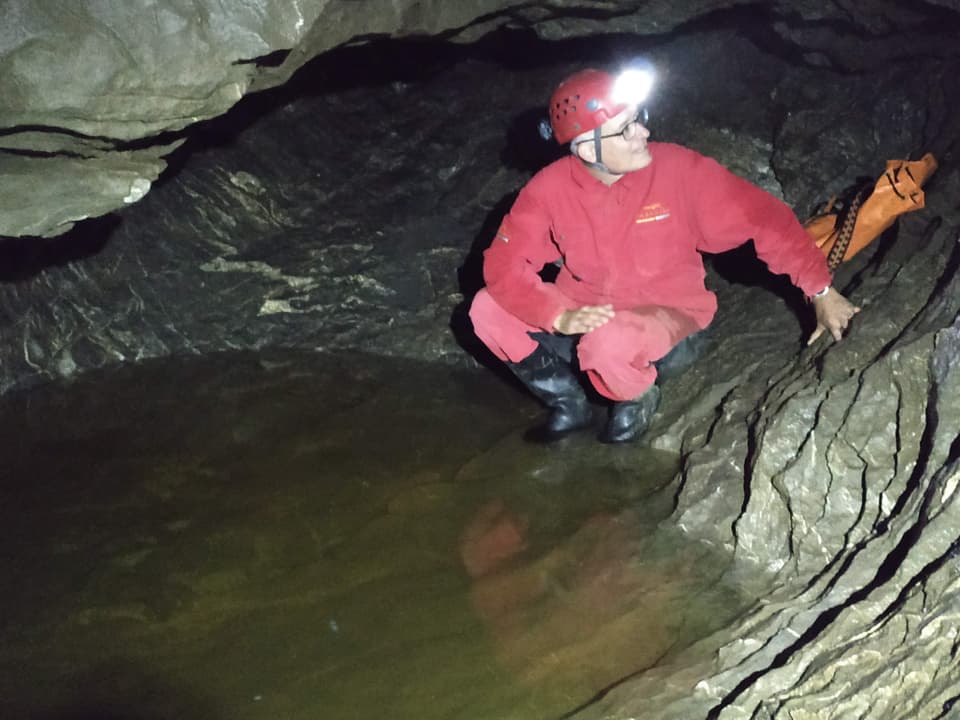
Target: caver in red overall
634,244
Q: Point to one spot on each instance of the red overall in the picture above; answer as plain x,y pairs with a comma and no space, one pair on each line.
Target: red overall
635,245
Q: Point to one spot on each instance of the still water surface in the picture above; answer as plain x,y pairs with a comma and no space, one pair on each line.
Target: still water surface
291,536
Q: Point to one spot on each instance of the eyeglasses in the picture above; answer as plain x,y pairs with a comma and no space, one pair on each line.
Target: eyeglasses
629,130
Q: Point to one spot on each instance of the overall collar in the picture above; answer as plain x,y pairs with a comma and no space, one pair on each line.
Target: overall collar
582,177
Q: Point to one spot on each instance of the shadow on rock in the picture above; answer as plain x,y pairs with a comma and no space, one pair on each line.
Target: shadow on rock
23,258
470,278
741,266
525,148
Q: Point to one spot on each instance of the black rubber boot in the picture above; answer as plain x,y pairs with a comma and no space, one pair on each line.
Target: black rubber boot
554,383
630,419
683,355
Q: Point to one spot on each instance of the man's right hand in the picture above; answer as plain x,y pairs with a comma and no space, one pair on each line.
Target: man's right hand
583,320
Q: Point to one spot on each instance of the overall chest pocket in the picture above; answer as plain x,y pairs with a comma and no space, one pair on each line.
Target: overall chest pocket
656,242
582,256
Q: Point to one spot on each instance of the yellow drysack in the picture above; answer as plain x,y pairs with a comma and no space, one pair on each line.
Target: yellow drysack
841,235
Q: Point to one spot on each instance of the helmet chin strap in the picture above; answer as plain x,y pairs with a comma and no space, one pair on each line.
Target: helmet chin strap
597,164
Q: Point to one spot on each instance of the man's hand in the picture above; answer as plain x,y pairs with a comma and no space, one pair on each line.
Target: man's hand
834,313
583,320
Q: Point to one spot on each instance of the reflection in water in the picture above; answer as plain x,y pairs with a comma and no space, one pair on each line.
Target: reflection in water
602,605
293,536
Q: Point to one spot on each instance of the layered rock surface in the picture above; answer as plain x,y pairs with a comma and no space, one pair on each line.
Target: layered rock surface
346,210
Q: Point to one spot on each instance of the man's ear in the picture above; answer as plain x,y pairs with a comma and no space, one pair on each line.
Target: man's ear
585,151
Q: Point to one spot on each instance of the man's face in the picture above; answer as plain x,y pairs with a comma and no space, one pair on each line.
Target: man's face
624,147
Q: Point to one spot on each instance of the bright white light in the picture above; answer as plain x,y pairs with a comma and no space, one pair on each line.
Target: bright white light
632,86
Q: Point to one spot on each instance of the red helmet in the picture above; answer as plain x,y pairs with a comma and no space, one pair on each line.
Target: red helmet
582,102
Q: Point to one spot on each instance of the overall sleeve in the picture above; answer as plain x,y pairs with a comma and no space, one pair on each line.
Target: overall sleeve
511,265
729,210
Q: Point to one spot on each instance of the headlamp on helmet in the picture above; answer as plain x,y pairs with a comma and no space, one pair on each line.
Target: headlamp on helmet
632,86
587,99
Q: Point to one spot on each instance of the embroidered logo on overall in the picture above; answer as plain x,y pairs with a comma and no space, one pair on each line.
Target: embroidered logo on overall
653,212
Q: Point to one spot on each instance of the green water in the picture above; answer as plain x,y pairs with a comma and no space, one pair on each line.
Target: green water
293,536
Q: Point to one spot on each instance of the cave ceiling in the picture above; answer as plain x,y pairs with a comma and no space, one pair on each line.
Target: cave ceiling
97,96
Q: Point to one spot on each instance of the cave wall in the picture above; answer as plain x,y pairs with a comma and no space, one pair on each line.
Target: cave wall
96,94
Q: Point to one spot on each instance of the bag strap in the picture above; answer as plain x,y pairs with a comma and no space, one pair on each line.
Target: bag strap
847,221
